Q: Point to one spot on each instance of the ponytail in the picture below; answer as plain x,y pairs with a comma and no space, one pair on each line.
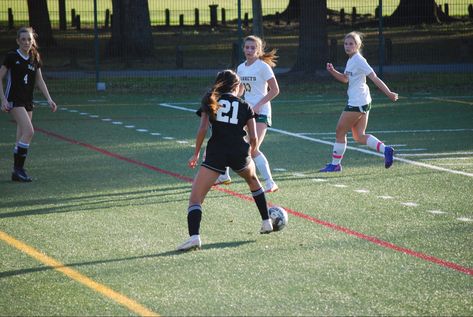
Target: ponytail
226,82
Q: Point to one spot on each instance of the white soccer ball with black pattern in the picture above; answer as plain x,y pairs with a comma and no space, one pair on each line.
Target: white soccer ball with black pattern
278,217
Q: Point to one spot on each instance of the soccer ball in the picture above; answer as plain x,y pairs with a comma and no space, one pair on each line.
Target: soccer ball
278,217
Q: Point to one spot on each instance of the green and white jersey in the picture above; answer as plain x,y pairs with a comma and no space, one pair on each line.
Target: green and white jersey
357,69
255,79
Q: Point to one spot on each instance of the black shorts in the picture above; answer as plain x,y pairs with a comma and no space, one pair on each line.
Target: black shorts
27,106
362,109
217,158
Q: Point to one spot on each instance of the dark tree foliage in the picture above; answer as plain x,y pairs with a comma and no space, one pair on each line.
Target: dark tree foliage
411,12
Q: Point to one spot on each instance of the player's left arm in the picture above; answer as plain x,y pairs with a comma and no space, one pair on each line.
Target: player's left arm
272,93
44,89
199,139
382,86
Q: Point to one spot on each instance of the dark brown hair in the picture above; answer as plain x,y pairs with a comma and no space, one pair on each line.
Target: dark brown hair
226,81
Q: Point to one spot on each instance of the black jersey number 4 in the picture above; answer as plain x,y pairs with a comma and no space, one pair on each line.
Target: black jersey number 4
228,112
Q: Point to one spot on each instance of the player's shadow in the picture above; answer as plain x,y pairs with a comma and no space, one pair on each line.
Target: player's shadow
220,245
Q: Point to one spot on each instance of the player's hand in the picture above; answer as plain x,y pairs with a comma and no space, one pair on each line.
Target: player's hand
330,67
6,107
393,96
192,163
52,105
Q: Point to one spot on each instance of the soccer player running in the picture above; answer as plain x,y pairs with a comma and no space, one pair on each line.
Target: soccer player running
355,115
22,67
261,87
228,115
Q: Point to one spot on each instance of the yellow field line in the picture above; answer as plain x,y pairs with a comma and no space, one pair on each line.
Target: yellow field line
452,100
75,275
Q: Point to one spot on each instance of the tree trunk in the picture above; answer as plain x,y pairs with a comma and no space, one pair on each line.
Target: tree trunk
313,47
258,18
131,29
39,20
416,12
292,11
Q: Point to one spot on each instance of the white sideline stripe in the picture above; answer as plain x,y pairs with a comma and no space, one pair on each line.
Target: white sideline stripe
395,131
465,219
440,154
411,150
438,168
297,135
386,197
447,158
451,100
437,212
410,204
362,191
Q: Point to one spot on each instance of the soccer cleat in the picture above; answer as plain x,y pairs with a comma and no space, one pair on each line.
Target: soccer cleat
331,168
193,243
266,227
223,179
19,175
388,156
271,187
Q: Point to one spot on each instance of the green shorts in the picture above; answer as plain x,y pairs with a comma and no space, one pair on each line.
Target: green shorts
263,119
362,109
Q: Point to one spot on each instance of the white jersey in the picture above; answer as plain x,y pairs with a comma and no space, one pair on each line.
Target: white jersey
255,79
357,69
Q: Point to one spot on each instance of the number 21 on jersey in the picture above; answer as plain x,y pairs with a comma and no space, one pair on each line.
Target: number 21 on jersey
228,112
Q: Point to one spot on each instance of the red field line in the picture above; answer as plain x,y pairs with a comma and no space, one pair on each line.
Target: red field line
330,225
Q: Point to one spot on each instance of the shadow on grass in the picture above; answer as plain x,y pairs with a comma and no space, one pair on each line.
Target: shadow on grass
220,245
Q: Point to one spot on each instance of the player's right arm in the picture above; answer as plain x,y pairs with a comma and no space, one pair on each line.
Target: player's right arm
199,139
252,136
336,74
5,105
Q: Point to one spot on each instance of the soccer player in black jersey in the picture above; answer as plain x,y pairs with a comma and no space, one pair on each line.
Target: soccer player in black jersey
22,67
228,115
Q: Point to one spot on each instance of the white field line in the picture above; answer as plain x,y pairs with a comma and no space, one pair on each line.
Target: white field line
395,131
452,100
299,136
441,154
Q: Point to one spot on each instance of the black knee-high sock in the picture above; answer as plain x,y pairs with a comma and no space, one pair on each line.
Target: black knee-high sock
260,200
20,156
194,216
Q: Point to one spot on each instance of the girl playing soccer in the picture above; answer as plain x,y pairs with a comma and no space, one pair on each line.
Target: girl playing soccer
355,115
229,116
23,70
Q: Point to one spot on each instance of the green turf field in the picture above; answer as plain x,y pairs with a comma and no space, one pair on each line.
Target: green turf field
95,232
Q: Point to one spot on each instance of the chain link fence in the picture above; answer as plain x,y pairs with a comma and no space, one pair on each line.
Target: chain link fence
197,37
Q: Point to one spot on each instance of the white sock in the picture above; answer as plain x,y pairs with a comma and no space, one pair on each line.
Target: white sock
227,173
263,167
338,151
375,144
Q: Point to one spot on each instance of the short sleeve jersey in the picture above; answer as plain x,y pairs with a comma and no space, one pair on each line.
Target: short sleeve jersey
228,127
357,69
21,77
255,79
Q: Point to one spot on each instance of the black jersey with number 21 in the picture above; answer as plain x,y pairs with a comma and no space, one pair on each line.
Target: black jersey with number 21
232,116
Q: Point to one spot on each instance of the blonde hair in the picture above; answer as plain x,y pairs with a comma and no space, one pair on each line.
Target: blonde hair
270,57
357,37
34,53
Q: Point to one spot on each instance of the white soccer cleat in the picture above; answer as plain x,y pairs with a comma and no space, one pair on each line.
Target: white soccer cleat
193,243
266,226
271,187
223,179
